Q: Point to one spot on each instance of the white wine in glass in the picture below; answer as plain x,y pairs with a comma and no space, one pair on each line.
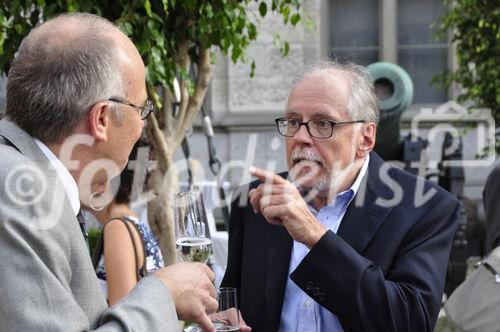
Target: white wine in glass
194,249
192,233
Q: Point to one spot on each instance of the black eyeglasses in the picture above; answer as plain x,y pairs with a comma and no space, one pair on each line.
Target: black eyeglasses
145,110
317,128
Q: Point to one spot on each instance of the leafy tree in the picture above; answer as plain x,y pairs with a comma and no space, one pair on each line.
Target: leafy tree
173,36
475,29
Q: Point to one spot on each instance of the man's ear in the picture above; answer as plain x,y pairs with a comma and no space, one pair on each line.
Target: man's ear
99,121
367,139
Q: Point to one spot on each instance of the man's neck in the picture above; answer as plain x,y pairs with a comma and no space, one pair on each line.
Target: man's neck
68,180
65,160
319,201
74,159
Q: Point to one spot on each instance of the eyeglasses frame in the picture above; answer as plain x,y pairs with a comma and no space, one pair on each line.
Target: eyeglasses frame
147,109
306,123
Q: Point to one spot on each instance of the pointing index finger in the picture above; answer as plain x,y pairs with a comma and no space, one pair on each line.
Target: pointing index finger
265,176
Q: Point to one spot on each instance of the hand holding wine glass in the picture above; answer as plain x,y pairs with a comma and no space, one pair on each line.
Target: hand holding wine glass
191,227
228,316
191,288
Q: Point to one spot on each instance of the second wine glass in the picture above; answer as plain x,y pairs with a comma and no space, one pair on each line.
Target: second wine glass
192,233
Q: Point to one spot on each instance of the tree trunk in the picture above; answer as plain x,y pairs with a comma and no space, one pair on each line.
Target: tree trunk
163,184
160,212
164,141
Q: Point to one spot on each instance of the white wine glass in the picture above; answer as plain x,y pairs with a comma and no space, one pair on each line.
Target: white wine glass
192,233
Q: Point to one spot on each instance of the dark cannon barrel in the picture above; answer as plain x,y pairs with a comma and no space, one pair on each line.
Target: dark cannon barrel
394,90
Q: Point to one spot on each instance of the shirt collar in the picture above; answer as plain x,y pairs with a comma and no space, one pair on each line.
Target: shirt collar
362,172
66,178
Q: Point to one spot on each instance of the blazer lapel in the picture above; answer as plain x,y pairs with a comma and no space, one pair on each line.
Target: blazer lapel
57,204
363,219
357,228
23,142
279,245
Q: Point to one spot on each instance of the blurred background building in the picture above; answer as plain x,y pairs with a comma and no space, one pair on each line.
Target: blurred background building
243,109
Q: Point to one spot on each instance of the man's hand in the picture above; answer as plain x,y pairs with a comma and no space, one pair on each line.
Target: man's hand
280,203
192,290
231,317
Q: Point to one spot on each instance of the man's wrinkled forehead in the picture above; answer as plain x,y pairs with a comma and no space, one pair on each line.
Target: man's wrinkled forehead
320,93
336,82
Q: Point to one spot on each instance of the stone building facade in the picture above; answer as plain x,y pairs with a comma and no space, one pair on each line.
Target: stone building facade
243,109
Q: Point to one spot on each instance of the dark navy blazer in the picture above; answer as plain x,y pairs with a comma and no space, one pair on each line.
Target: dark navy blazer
384,270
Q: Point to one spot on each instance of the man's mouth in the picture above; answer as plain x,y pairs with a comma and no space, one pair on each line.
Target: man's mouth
305,161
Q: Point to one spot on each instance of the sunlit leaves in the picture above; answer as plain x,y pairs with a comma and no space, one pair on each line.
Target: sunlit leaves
252,31
158,28
295,19
147,7
474,26
475,33
285,49
252,69
263,9
283,46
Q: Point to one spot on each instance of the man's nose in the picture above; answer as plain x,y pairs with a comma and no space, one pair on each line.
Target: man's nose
303,136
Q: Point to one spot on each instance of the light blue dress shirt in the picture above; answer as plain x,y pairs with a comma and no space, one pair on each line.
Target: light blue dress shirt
301,313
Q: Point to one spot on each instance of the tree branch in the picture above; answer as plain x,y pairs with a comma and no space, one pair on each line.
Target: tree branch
183,62
160,146
201,87
168,116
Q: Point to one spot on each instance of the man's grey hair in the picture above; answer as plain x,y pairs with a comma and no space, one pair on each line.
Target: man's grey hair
362,101
58,74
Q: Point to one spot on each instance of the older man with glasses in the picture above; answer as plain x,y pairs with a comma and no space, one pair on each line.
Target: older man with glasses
68,129
344,241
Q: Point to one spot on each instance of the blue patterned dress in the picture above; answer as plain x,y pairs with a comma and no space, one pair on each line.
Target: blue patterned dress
153,257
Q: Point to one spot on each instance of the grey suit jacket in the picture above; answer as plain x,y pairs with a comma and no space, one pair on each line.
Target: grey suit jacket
47,279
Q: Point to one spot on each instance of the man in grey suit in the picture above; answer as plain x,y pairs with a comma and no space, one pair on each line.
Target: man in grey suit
73,96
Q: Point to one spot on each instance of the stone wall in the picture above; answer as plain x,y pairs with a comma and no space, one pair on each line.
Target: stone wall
243,109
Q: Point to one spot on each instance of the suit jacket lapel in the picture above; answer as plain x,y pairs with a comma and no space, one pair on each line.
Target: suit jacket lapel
23,142
363,217
279,245
357,228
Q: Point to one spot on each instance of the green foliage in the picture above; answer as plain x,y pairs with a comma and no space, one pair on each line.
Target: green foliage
475,29
170,35
161,29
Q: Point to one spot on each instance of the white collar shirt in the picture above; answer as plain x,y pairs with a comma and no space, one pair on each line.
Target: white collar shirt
300,312
66,178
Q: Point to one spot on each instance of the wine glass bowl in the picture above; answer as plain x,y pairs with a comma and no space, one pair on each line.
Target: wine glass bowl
192,233
227,317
